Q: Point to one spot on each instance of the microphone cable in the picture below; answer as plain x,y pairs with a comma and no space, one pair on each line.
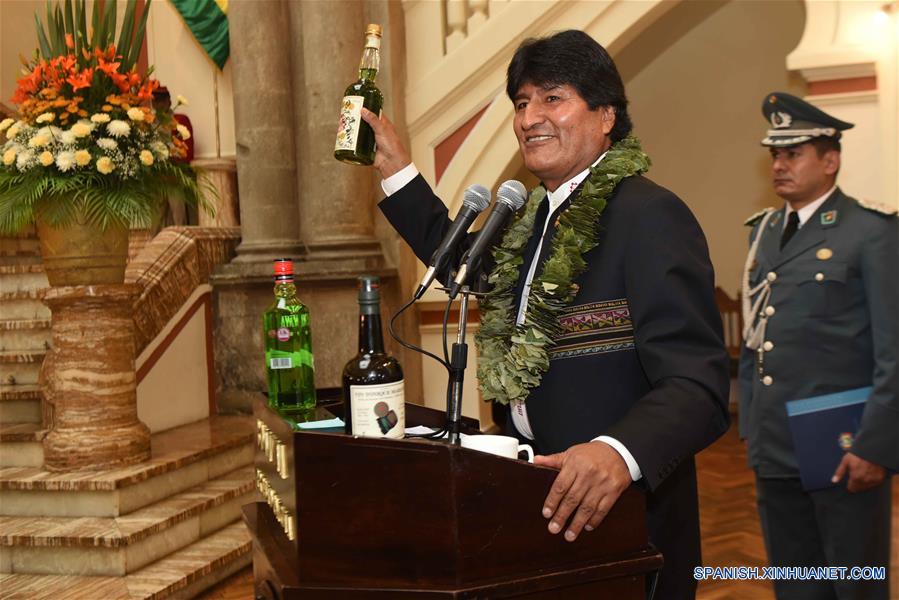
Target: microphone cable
444,363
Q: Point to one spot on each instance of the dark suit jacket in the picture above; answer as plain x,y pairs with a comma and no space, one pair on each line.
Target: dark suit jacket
641,357
830,333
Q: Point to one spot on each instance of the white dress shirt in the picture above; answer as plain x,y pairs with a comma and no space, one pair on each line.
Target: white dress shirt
806,212
401,178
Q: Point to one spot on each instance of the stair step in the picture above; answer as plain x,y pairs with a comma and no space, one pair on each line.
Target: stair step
181,458
22,356
23,308
23,324
20,246
23,281
18,334
20,404
35,294
182,574
22,432
121,545
20,445
17,393
19,268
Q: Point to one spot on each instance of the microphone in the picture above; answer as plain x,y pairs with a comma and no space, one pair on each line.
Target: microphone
510,197
474,201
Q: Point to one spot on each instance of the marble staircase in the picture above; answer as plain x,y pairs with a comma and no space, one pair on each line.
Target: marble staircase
168,527
24,341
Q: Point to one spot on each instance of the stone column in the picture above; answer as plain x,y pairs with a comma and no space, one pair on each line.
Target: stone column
93,382
336,213
264,128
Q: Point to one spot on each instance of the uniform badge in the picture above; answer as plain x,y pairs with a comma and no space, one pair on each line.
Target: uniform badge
829,218
824,254
775,220
845,441
781,120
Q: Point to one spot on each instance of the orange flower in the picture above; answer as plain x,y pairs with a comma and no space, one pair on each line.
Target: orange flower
146,91
70,42
106,108
82,80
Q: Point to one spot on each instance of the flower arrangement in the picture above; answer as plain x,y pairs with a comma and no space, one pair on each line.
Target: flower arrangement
90,143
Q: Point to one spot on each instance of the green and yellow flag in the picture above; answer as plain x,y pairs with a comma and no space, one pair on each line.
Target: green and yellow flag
208,21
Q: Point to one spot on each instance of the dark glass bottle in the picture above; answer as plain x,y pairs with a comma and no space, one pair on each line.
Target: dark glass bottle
289,364
355,139
373,398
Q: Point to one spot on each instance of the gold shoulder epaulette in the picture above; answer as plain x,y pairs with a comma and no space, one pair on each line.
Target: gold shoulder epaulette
880,207
751,221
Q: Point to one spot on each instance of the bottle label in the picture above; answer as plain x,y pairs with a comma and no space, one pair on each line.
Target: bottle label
278,359
349,123
378,410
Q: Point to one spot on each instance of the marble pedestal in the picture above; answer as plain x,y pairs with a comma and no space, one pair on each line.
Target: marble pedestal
92,381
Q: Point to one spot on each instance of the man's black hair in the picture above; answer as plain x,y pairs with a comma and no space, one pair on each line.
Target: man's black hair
572,58
824,144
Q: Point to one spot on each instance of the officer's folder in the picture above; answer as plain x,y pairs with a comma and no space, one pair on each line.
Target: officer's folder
823,429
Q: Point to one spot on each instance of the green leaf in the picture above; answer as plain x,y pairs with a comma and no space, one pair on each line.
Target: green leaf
110,19
96,25
42,38
70,20
138,42
60,30
124,45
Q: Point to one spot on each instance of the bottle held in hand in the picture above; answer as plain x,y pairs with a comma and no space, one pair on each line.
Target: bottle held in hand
355,139
289,363
373,396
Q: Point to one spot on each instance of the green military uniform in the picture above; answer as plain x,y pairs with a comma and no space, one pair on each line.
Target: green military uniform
821,316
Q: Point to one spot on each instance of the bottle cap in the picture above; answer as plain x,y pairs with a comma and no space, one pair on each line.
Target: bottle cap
373,29
283,268
369,289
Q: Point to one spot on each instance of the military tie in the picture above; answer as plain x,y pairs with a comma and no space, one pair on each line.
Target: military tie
790,229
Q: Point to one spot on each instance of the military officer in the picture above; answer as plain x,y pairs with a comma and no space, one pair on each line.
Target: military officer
820,298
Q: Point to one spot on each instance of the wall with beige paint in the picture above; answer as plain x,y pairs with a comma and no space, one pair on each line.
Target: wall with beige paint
696,80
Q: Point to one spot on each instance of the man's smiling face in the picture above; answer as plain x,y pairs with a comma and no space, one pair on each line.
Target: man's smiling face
558,135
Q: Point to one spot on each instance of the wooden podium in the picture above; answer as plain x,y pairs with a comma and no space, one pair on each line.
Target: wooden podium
352,518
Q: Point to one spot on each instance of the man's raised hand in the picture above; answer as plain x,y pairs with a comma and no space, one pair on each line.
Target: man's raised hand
391,155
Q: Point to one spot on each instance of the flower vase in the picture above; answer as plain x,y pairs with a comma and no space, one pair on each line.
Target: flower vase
83,254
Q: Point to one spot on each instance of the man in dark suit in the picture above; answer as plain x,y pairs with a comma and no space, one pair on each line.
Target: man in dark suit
820,307
636,378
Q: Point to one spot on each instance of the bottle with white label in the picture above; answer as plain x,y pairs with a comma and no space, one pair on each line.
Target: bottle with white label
374,404
355,140
289,364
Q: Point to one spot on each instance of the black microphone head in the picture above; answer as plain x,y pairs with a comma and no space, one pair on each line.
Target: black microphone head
476,197
512,193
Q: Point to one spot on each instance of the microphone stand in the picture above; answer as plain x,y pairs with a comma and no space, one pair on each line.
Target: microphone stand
458,362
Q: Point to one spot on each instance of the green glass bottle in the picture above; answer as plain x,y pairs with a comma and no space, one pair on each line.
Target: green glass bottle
355,143
289,365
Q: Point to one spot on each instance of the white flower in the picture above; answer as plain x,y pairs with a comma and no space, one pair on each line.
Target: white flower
183,132
23,159
182,100
161,150
100,118
39,140
81,129
135,114
117,128
46,158
146,157
104,165
67,138
45,117
65,161
13,131
9,157
82,157
6,123
107,143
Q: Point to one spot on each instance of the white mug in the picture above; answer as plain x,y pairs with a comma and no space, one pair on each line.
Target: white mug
501,445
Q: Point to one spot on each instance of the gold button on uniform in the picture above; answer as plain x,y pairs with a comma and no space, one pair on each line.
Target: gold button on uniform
819,276
771,276
767,380
768,346
824,254
769,310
